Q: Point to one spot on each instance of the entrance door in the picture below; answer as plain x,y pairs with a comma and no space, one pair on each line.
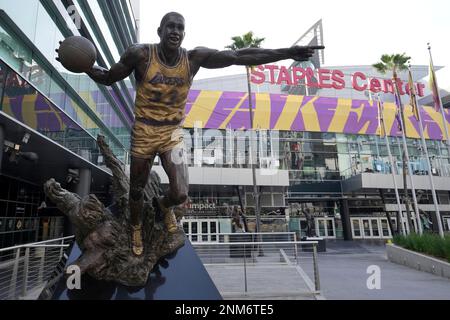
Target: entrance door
367,230
201,230
385,232
325,228
370,228
356,228
375,226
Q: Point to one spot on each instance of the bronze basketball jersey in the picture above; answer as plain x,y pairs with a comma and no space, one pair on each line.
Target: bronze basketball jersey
162,94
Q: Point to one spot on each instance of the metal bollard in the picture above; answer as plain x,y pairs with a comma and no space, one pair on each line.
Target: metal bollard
26,264
13,284
61,251
42,266
316,268
245,269
296,248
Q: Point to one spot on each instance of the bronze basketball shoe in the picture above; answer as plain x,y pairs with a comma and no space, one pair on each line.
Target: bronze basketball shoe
136,240
169,218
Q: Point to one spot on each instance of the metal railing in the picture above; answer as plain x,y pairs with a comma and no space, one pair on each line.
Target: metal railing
26,269
244,266
241,237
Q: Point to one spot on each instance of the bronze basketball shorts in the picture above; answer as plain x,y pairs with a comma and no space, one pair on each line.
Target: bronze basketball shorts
148,140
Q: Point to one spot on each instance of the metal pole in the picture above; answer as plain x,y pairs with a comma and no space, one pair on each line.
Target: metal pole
316,268
405,147
296,248
26,264
13,283
245,269
444,121
430,174
391,161
61,251
255,188
42,266
413,189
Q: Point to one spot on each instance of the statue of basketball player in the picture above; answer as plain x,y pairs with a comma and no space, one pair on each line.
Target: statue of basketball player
164,74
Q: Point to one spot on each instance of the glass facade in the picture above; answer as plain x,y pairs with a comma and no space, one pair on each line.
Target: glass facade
68,108
314,161
311,156
23,102
23,217
72,93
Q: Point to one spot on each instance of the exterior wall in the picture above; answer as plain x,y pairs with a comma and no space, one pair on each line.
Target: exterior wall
229,177
318,160
384,181
64,110
96,109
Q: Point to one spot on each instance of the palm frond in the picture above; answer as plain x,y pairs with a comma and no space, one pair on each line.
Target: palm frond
392,62
245,41
380,67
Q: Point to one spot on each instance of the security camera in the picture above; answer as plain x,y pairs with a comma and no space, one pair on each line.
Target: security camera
26,138
73,176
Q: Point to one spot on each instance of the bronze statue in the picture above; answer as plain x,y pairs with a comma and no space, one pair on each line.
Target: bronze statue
308,211
102,233
164,74
237,220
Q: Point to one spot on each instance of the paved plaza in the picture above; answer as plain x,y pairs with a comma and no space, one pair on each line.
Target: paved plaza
343,276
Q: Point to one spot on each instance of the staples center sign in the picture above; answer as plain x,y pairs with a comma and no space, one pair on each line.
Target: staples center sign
328,79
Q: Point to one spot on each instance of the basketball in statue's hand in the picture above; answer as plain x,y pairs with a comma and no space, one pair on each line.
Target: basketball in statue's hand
77,54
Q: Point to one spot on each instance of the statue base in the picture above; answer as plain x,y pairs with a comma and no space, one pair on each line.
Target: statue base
321,245
178,276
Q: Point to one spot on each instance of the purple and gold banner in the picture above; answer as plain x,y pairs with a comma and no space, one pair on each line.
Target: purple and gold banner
221,110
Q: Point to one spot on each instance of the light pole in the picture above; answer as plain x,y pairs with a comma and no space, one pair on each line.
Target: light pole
253,166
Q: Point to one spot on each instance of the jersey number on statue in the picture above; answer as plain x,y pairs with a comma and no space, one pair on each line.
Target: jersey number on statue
172,97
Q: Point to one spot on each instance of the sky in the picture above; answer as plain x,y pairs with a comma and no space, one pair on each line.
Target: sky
355,32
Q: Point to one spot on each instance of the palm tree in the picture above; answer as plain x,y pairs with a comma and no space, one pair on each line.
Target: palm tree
241,42
396,63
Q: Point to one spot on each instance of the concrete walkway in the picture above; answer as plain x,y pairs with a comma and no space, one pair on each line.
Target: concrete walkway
343,274
272,282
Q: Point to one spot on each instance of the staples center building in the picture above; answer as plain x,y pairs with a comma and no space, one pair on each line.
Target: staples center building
316,140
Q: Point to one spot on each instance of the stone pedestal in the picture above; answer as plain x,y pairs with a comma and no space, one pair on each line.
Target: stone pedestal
321,246
179,276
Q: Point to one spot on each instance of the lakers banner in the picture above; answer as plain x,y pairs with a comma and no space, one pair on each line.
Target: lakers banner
221,110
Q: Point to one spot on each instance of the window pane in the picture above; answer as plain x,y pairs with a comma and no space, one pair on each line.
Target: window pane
3,74
39,77
23,13
57,94
385,227
366,227
45,34
321,228
330,229
356,228
14,53
375,231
